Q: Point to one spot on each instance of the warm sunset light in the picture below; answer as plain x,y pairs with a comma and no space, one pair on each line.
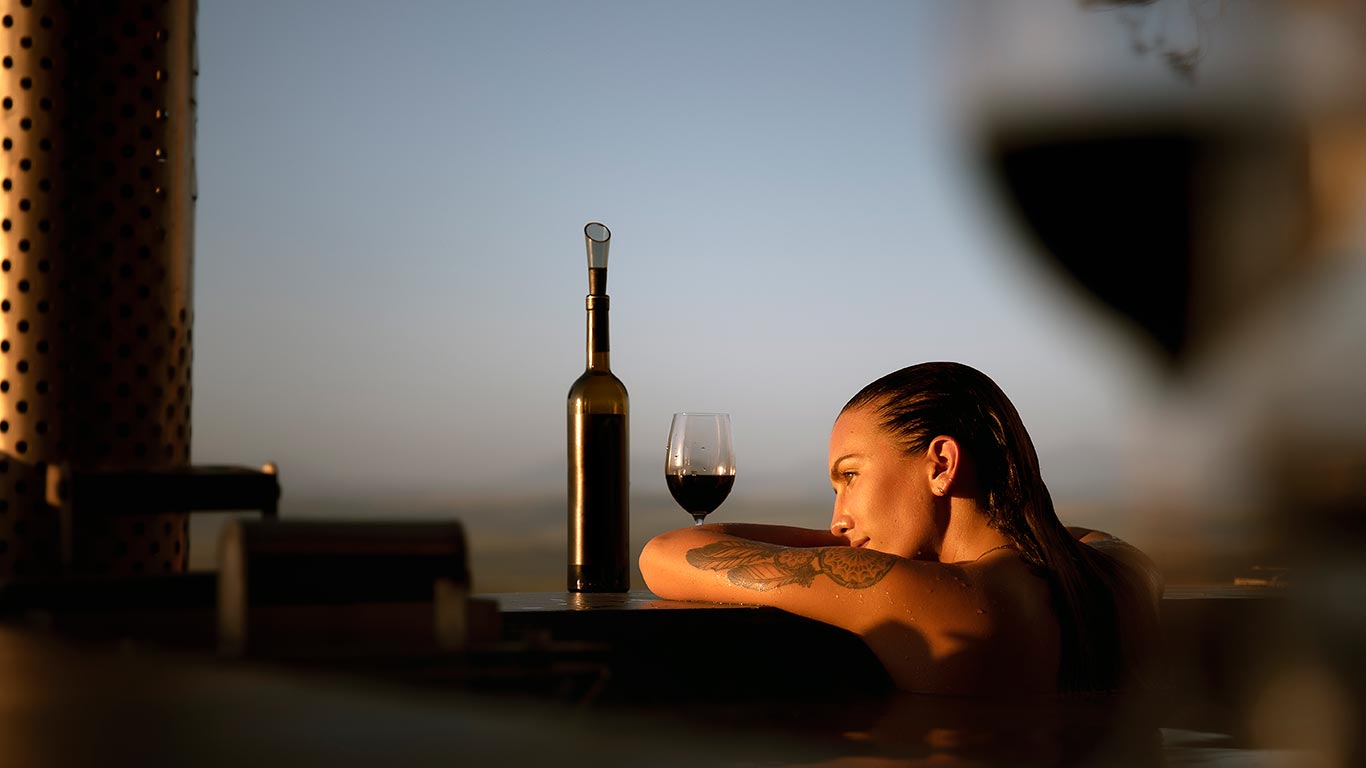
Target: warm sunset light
978,383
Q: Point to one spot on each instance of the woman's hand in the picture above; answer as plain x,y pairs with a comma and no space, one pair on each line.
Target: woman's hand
782,535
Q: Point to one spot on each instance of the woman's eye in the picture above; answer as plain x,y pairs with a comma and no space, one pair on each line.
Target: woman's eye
848,476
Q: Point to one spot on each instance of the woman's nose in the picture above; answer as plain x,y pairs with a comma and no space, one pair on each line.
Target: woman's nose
840,523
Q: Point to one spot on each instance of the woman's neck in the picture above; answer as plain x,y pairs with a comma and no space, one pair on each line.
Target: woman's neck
968,536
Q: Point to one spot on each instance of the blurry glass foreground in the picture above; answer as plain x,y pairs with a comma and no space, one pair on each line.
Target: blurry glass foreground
1195,172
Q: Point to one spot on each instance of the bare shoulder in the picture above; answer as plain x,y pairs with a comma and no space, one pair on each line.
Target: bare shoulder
975,627
1019,646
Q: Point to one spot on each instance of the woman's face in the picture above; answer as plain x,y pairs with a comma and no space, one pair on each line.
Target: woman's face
883,498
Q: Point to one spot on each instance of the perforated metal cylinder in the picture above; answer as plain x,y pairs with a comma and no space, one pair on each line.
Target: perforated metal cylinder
96,253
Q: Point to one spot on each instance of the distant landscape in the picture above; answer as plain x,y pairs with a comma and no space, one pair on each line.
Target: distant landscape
515,544
518,544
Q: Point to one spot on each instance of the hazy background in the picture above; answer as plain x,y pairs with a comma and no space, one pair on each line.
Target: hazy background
390,263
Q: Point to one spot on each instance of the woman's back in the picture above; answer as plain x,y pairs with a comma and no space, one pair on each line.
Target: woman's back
981,627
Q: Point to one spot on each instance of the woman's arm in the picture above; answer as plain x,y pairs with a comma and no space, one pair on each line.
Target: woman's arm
782,535
1127,555
1089,535
926,633
827,583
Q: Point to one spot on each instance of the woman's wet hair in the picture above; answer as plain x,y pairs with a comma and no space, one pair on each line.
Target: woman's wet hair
1093,595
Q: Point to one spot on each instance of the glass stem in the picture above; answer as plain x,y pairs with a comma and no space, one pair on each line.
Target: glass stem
697,520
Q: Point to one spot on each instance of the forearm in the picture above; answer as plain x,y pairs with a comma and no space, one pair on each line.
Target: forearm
668,573
875,595
782,535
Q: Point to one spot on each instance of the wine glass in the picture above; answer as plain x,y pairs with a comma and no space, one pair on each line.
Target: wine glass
700,464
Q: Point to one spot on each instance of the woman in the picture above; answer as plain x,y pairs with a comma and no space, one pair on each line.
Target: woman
944,553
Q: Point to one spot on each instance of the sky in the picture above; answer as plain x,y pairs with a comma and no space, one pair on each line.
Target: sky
389,258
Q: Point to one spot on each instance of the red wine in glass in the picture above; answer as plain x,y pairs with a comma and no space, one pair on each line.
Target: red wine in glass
700,495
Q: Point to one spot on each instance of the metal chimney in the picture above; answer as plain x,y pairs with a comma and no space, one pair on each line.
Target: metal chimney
95,269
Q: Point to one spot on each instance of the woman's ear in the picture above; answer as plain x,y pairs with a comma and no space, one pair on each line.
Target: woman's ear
943,464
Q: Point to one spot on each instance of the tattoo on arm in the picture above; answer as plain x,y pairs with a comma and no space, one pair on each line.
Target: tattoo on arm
761,567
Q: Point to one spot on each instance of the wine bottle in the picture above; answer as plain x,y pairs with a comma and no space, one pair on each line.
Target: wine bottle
599,448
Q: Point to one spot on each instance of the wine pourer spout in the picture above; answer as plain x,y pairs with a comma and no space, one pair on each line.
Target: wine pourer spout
597,237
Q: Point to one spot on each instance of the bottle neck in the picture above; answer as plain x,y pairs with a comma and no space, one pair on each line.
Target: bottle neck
599,346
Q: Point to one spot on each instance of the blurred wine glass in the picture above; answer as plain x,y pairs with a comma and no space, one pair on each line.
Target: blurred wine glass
1170,159
1198,171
